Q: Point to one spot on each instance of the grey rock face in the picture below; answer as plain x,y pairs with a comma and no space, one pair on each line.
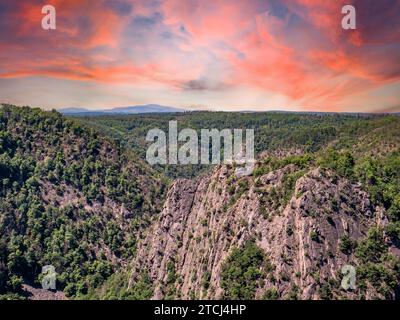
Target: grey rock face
300,230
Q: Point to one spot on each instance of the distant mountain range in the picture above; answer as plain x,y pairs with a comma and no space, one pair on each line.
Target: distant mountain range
156,108
148,108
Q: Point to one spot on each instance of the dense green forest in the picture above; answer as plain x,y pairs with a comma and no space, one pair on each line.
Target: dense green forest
273,131
377,169
76,192
361,148
68,198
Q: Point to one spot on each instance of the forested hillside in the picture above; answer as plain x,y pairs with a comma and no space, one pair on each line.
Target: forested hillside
287,231
68,198
76,193
296,132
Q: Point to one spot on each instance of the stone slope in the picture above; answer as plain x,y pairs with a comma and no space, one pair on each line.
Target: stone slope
301,219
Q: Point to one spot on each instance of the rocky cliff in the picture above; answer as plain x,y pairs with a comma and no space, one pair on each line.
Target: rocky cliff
307,222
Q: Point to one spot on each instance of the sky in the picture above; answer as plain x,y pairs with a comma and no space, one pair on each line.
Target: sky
213,54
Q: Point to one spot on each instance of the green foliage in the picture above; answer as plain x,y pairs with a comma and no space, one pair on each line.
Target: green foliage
271,294
116,288
373,247
62,190
289,182
381,178
141,289
341,162
75,199
325,291
314,236
293,293
206,280
393,230
242,271
308,132
171,279
272,163
377,266
346,245
11,297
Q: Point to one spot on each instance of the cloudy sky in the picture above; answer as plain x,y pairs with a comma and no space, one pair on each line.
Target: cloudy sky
219,54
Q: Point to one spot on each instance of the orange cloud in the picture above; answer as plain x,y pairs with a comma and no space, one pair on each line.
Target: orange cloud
295,48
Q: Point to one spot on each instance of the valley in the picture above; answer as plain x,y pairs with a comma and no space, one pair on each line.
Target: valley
77,193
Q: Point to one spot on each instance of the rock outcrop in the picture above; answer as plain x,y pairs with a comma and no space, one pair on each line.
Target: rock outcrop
300,218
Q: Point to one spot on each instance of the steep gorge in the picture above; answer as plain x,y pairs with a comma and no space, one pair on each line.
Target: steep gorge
306,221
75,199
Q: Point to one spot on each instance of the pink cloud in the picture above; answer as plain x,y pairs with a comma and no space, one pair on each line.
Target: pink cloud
298,50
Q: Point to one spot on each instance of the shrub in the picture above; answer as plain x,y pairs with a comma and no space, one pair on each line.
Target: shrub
346,245
314,236
242,271
271,294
